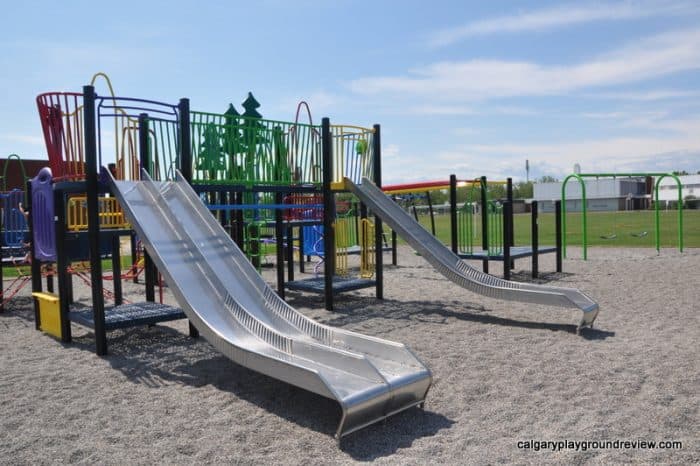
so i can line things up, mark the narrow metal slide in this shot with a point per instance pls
(458, 271)
(238, 313)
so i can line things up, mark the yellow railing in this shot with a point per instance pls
(352, 153)
(110, 213)
(367, 249)
(341, 228)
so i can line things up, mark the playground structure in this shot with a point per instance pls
(193, 165)
(496, 223)
(369, 377)
(256, 173)
(452, 267)
(14, 233)
(580, 178)
(497, 230)
(245, 320)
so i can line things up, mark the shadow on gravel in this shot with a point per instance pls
(350, 312)
(161, 355)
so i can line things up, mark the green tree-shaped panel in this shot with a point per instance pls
(211, 155)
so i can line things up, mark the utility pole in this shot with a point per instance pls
(527, 170)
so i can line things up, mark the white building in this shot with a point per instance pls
(690, 186)
(601, 194)
(617, 193)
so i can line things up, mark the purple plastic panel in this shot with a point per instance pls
(42, 216)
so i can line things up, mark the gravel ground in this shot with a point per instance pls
(504, 373)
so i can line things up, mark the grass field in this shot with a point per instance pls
(13, 272)
(622, 224)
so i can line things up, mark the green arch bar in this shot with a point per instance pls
(658, 176)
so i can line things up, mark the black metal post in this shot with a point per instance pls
(484, 223)
(432, 214)
(301, 249)
(509, 198)
(328, 213)
(232, 217)
(150, 274)
(394, 258)
(378, 229)
(144, 149)
(49, 278)
(509, 218)
(453, 213)
(254, 244)
(70, 288)
(35, 266)
(507, 226)
(91, 174)
(289, 233)
(117, 269)
(557, 226)
(535, 241)
(279, 238)
(185, 139)
(186, 161)
(134, 258)
(2, 289)
(240, 224)
(59, 202)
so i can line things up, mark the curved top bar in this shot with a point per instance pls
(680, 210)
(658, 175)
(583, 210)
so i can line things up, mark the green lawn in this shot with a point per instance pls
(622, 224)
(12, 272)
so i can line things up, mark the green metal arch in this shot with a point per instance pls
(680, 210)
(658, 176)
(4, 171)
(583, 210)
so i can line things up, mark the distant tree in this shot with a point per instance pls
(547, 179)
(523, 190)
(440, 196)
(680, 173)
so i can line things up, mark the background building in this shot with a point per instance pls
(605, 194)
(609, 194)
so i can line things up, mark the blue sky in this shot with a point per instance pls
(466, 87)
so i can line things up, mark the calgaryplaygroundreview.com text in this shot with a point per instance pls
(585, 445)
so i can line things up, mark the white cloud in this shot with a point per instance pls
(647, 96)
(441, 110)
(27, 139)
(561, 16)
(390, 151)
(614, 154)
(649, 58)
(320, 102)
(679, 150)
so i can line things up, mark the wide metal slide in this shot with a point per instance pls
(458, 271)
(238, 313)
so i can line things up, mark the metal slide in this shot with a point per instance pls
(238, 313)
(458, 271)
